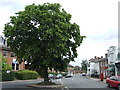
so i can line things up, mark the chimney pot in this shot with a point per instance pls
(95, 57)
(106, 55)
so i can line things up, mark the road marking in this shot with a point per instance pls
(61, 81)
(57, 80)
(67, 88)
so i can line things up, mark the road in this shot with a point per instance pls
(75, 82)
(79, 81)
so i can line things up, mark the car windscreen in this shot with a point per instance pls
(118, 78)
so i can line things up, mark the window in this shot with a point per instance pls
(5, 53)
(118, 55)
(113, 78)
(12, 54)
(118, 78)
(15, 65)
(89, 64)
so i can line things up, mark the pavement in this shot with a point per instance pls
(35, 85)
(97, 79)
(16, 80)
(46, 86)
(77, 81)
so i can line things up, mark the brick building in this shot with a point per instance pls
(10, 56)
(103, 65)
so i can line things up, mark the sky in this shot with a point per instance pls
(98, 21)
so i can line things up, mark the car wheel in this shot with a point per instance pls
(118, 87)
(108, 85)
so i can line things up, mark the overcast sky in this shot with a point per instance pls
(98, 21)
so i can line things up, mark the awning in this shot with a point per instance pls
(117, 65)
(111, 65)
(111, 69)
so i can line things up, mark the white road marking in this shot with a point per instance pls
(61, 81)
(67, 88)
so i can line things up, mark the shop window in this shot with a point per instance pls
(118, 55)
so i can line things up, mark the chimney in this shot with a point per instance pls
(106, 55)
(95, 57)
(101, 56)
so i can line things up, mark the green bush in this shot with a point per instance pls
(7, 76)
(55, 73)
(26, 74)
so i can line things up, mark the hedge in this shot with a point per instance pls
(7, 76)
(26, 74)
(64, 74)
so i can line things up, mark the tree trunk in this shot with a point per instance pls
(46, 79)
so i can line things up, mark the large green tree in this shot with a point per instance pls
(43, 36)
(84, 65)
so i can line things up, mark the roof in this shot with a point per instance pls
(70, 65)
(97, 59)
(4, 47)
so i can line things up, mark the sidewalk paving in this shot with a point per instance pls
(47, 86)
(16, 80)
(97, 79)
(57, 85)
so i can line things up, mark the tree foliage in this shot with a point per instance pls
(84, 65)
(43, 36)
(3, 64)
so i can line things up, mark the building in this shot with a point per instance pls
(10, 55)
(103, 65)
(70, 69)
(117, 64)
(98, 65)
(112, 53)
(114, 61)
(93, 66)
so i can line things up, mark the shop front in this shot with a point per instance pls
(117, 64)
(111, 70)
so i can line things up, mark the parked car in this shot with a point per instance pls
(51, 76)
(59, 76)
(113, 81)
(69, 75)
(83, 74)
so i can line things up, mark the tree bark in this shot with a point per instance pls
(46, 79)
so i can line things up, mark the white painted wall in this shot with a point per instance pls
(93, 66)
(112, 54)
(96, 67)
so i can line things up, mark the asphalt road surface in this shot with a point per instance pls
(76, 82)
(82, 82)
